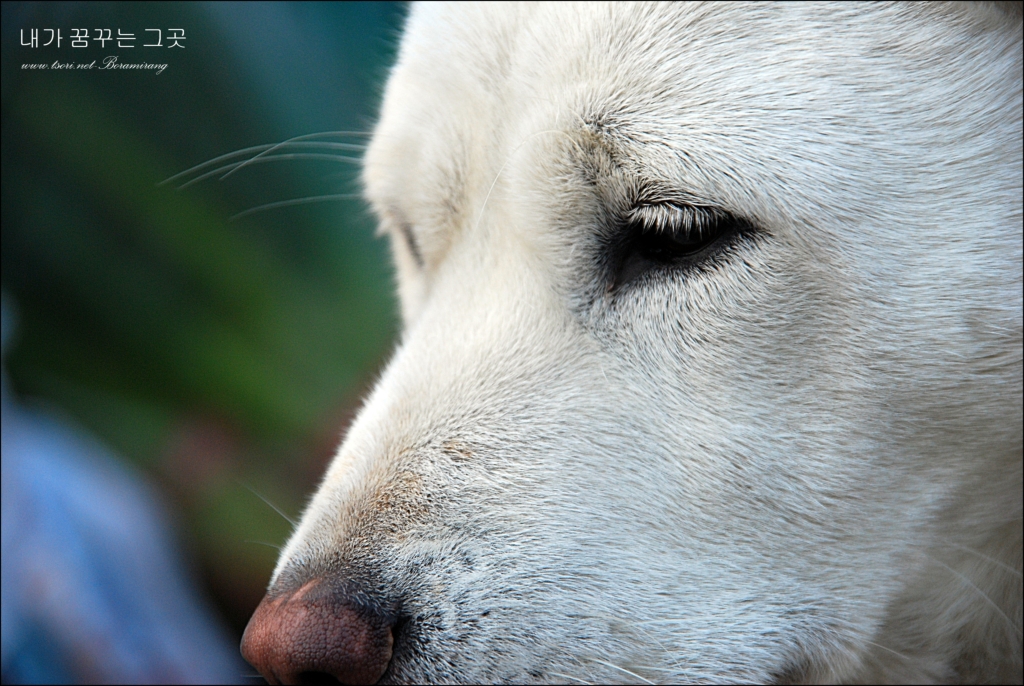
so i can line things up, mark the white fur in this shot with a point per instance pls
(803, 464)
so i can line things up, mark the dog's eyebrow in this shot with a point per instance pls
(655, 180)
(648, 190)
(626, 150)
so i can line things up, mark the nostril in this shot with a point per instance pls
(398, 626)
(318, 635)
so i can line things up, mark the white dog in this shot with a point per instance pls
(712, 358)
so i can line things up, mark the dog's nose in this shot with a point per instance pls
(316, 634)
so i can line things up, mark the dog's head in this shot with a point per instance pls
(711, 366)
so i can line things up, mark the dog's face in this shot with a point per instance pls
(712, 350)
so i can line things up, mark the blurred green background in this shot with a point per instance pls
(223, 358)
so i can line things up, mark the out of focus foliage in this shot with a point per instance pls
(223, 357)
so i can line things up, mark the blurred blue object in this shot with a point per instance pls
(93, 590)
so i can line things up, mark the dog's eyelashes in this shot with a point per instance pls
(664, 233)
(653, 236)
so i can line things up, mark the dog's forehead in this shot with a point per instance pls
(484, 79)
(789, 114)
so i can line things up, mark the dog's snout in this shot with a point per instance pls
(317, 634)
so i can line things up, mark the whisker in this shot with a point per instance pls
(985, 557)
(889, 650)
(272, 158)
(272, 506)
(296, 201)
(487, 197)
(980, 592)
(305, 137)
(622, 669)
(267, 147)
(269, 545)
(570, 676)
(669, 670)
(215, 160)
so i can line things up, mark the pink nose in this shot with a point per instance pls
(303, 636)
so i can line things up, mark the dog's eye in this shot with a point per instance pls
(667, 235)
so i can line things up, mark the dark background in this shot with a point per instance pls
(219, 358)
